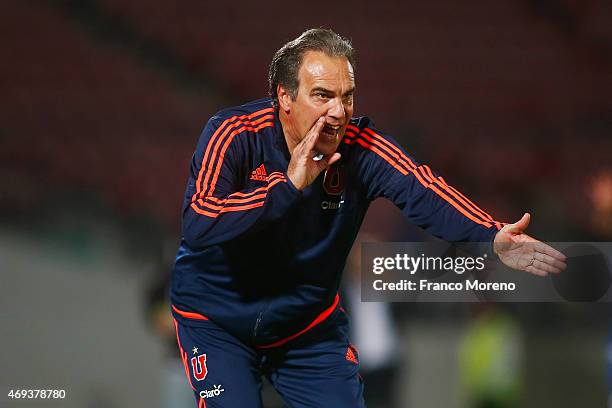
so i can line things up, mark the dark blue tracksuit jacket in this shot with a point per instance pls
(263, 260)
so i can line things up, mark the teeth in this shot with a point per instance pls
(331, 129)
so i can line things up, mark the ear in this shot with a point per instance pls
(284, 99)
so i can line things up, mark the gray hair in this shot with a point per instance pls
(288, 59)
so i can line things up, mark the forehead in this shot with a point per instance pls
(319, 69)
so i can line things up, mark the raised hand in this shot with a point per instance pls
(302, 169)
(520, 251)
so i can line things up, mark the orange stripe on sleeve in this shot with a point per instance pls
(370, 146)
(418, 172)
(224, 202)
(428, 174)
(460, 209)
(228, 141)
(200, 211)
(216, 133)
(397, 150)
(373, 147)
(240, 197)
(215, 212)
(354, 128)
(201, 196)
(242, 207)
(239, 126)
(391, 150)
(217, 203)
(457, 194)
(468, 200)
(466, 203)
(212, 210)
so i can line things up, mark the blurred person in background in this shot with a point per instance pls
(601, 200)
(277, 191)
(601, 227)
(173, 392)
(491, 359)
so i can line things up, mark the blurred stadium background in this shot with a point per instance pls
(102, 102)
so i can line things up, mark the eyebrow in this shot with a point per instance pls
(328, 91)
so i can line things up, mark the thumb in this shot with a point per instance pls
(335, 157)
(328, 161)
(521, 225)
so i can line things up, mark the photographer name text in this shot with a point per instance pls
(414, 264)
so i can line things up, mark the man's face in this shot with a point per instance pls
(326, 89)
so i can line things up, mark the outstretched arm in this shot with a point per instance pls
(428, 201)
(523, 252)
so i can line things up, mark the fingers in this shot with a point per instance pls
(543, 266)
(527, 253)
(332, 159)
(549, 260)
(313, 134)
(544, 260)
(532, 269)
(536, 267)
(550, 251)
(303, 168)
(328, 161)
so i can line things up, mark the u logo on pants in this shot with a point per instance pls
(317, 370)
(198, 365)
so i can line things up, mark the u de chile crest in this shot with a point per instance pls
(334, 182)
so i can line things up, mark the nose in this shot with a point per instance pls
(336, 110)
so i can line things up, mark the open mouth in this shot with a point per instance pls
(330, 132)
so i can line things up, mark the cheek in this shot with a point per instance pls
(309, 117)
(349, 112)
